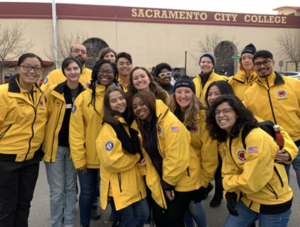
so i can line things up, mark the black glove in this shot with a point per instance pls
(231, 203)
(200, 194)
(220, 184)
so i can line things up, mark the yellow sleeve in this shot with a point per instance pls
(258, 165)
(46, 84)
(77, 133)
(111, 154)
(289, 145)
(177, 152)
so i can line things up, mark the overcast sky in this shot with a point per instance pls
(236, 6)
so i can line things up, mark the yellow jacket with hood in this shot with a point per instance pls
(252, 172)
(201, 91)
(178, 170)
(23, 119)
(240, 82)
(120, 174)
(57, 77)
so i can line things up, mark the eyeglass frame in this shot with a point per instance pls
(222, 111)
(265, 63)
(77, 51)
(106, 72)
(165, 74)
(31, 68)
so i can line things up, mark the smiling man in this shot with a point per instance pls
(124, 66)
(56, 76)
(276, 98)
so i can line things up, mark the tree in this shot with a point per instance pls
(290, 46)
(12, 44)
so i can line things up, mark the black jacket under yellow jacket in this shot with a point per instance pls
(22, 121)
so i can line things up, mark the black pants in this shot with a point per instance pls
(173, 216)
(17, 183)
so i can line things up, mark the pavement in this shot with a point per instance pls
(40, 214)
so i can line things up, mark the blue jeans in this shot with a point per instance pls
(88, 191)
(247, 217)
(135, 215)
(115, 214)
(296, 165)
(61, 176)
(96, 198)
(197, 213)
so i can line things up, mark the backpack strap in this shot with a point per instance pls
(245, 132)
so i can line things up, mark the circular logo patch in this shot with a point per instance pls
(109, 146)
(73, 109)
(45, 80)
(159, 130)
(88, 84)
(41, 104)
(194, 129)
(241, 155)
(281, 93)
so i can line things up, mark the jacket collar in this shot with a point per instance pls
(274, 79)
(161, 110)
(14, 86)
(241, 76)
(61, 87)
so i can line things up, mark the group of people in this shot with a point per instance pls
(149, 149)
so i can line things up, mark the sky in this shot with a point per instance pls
(231, 6)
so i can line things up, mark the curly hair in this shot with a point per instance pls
(224, 88)
(153, 86)
(192, 112)
(245, 116)
(160, 67)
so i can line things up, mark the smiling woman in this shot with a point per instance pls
(163, 73)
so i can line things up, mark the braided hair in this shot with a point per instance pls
(94, 80)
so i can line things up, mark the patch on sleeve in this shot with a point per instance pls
(253, 149)
(194, 129)
(41, 103)
(73, 109)
(174, 129)
(241, 155)
(109, 146)
(159, 130)
(45, 80)
(88, 84)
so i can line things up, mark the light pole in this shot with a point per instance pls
(185, 52)
(54, 33)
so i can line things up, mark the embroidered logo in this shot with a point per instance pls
(194, 129)
(73, 109)
(241, 155)
(88, 84)
(159, 130)
(109, 146)
(45, 80)
(41, 104)
(281, 93)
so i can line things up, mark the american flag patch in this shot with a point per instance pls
(252, 149)
(174, 129)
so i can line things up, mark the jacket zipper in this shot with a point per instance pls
(230, 142)
(5, 131)
(276, 171)
(271, 103)
(120, 181)
(54, 132)
(298, 116)
(32, 133)
(188, 171)
(250, 204)
(273, 191)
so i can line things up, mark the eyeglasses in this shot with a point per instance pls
(77, 51)
(265, 63)
(109, 72)
(28, 68)
(165, 74)
(225, 111)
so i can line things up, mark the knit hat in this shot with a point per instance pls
(8, 75)
(185, 81)
(211, 56)
(74, 59)
(249, 49)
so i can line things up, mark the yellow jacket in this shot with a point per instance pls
(173, 146)
(56, 108)
(119, 170)
(22, 121)
(240, 82)
(276, 99)
(205, 148)
(253, 172)
(201, 91)
(57, 77)
(85, 126)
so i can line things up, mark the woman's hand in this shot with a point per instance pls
(282, 156)
(170, 195)
(82, 169)
(142, 162)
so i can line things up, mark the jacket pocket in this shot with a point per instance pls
(271, 189)
(297, 115)
(277, 173)
(5, 131)
(188, 171)
(120, 181)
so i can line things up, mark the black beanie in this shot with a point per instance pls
(211, 56)
(74, 59)
(185, 81)
(249, 49)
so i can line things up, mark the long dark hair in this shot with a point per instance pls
(108, 112)
(95, 79)
(245, 116)
(223, 86)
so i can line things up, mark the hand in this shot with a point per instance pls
(170, 195)
(220, 183)
(282, 156)
(231, 203)
(142, 162)
(82, 169)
